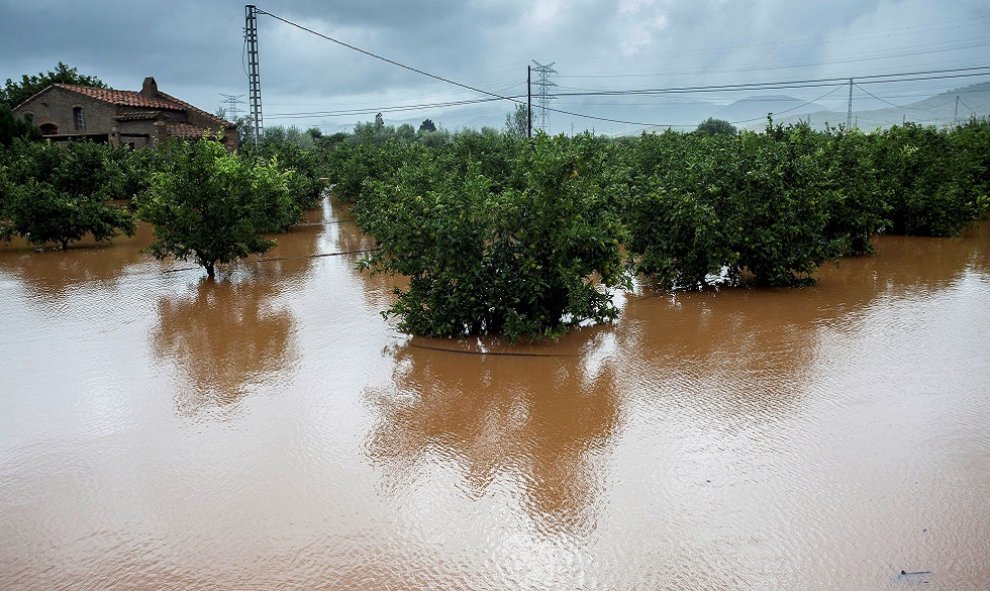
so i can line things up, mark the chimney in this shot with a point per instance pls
(149, 88)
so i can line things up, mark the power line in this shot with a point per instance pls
(385, 59)
(443, 79)
(757, 67)
(792, 108)
(808, 83)
(892, 104)
(370, 110)
(792, 84)
(777, 43)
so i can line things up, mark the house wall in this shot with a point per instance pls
(129, 132)
(199, 120)
(55, 106)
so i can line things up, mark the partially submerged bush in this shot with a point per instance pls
(213, 206)
(61, 193)
(526, 261)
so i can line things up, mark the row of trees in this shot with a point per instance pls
(206, 204)
(500, 235)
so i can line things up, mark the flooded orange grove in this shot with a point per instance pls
(270, 430)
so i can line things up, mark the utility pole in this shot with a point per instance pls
(254, 72)
(955, 115)
(544, 97)
(849, 110)
(529, 102)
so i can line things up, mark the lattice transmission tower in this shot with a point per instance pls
(254, 71)
(232, 108)
(543, 96)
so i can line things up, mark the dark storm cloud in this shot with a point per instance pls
(194, 48)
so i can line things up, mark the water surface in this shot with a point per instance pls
(271, 430)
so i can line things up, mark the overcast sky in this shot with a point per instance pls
(194, 49)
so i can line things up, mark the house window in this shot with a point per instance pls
(79, 116)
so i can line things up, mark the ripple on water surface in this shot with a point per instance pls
(271, 430)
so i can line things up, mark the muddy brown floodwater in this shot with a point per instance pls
(272, 431)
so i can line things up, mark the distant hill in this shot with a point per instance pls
(757, 107)
(974, 100)
(685, 114)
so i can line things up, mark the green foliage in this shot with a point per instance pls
(12, 128)
(60, 193)
(763, 207)
(712, 126)
(860, 205)
(934, 190)
(293, 149)
(677, 237)
(427, 126)
(14, 93)
(778, 209)
(6, 191)
(351, 164)
(970, 143)
(517, 122)
(756, 203)
(520, 261)
(213, 206)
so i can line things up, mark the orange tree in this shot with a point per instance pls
(524, 260)
(213, 206)
(61, 193)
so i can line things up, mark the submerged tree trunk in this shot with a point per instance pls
(210, 269)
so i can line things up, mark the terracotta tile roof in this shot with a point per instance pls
(186, 131)
(136, 115)
(124, 98)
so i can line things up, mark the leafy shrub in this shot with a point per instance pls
(293, 150)
(676, 237)
(520, 262)
(60, 193)
(712, 126)
(213, 206)
(929, 192)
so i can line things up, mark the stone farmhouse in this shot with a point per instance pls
(65, 112)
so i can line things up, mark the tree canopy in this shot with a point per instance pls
(12, 128)
(712, 126)
(213, 206)
(60, 193)
(14, 93)
(517, 122)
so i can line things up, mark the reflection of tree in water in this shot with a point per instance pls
(346, 236)
(540, 424)
(225, 338)
(906, 265)
(748, 351)
(54, 273)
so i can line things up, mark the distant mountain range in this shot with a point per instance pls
(747, 113)
(941, 109)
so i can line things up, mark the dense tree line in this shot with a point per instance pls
(465, 214)
(206, 203)
(500, 234)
